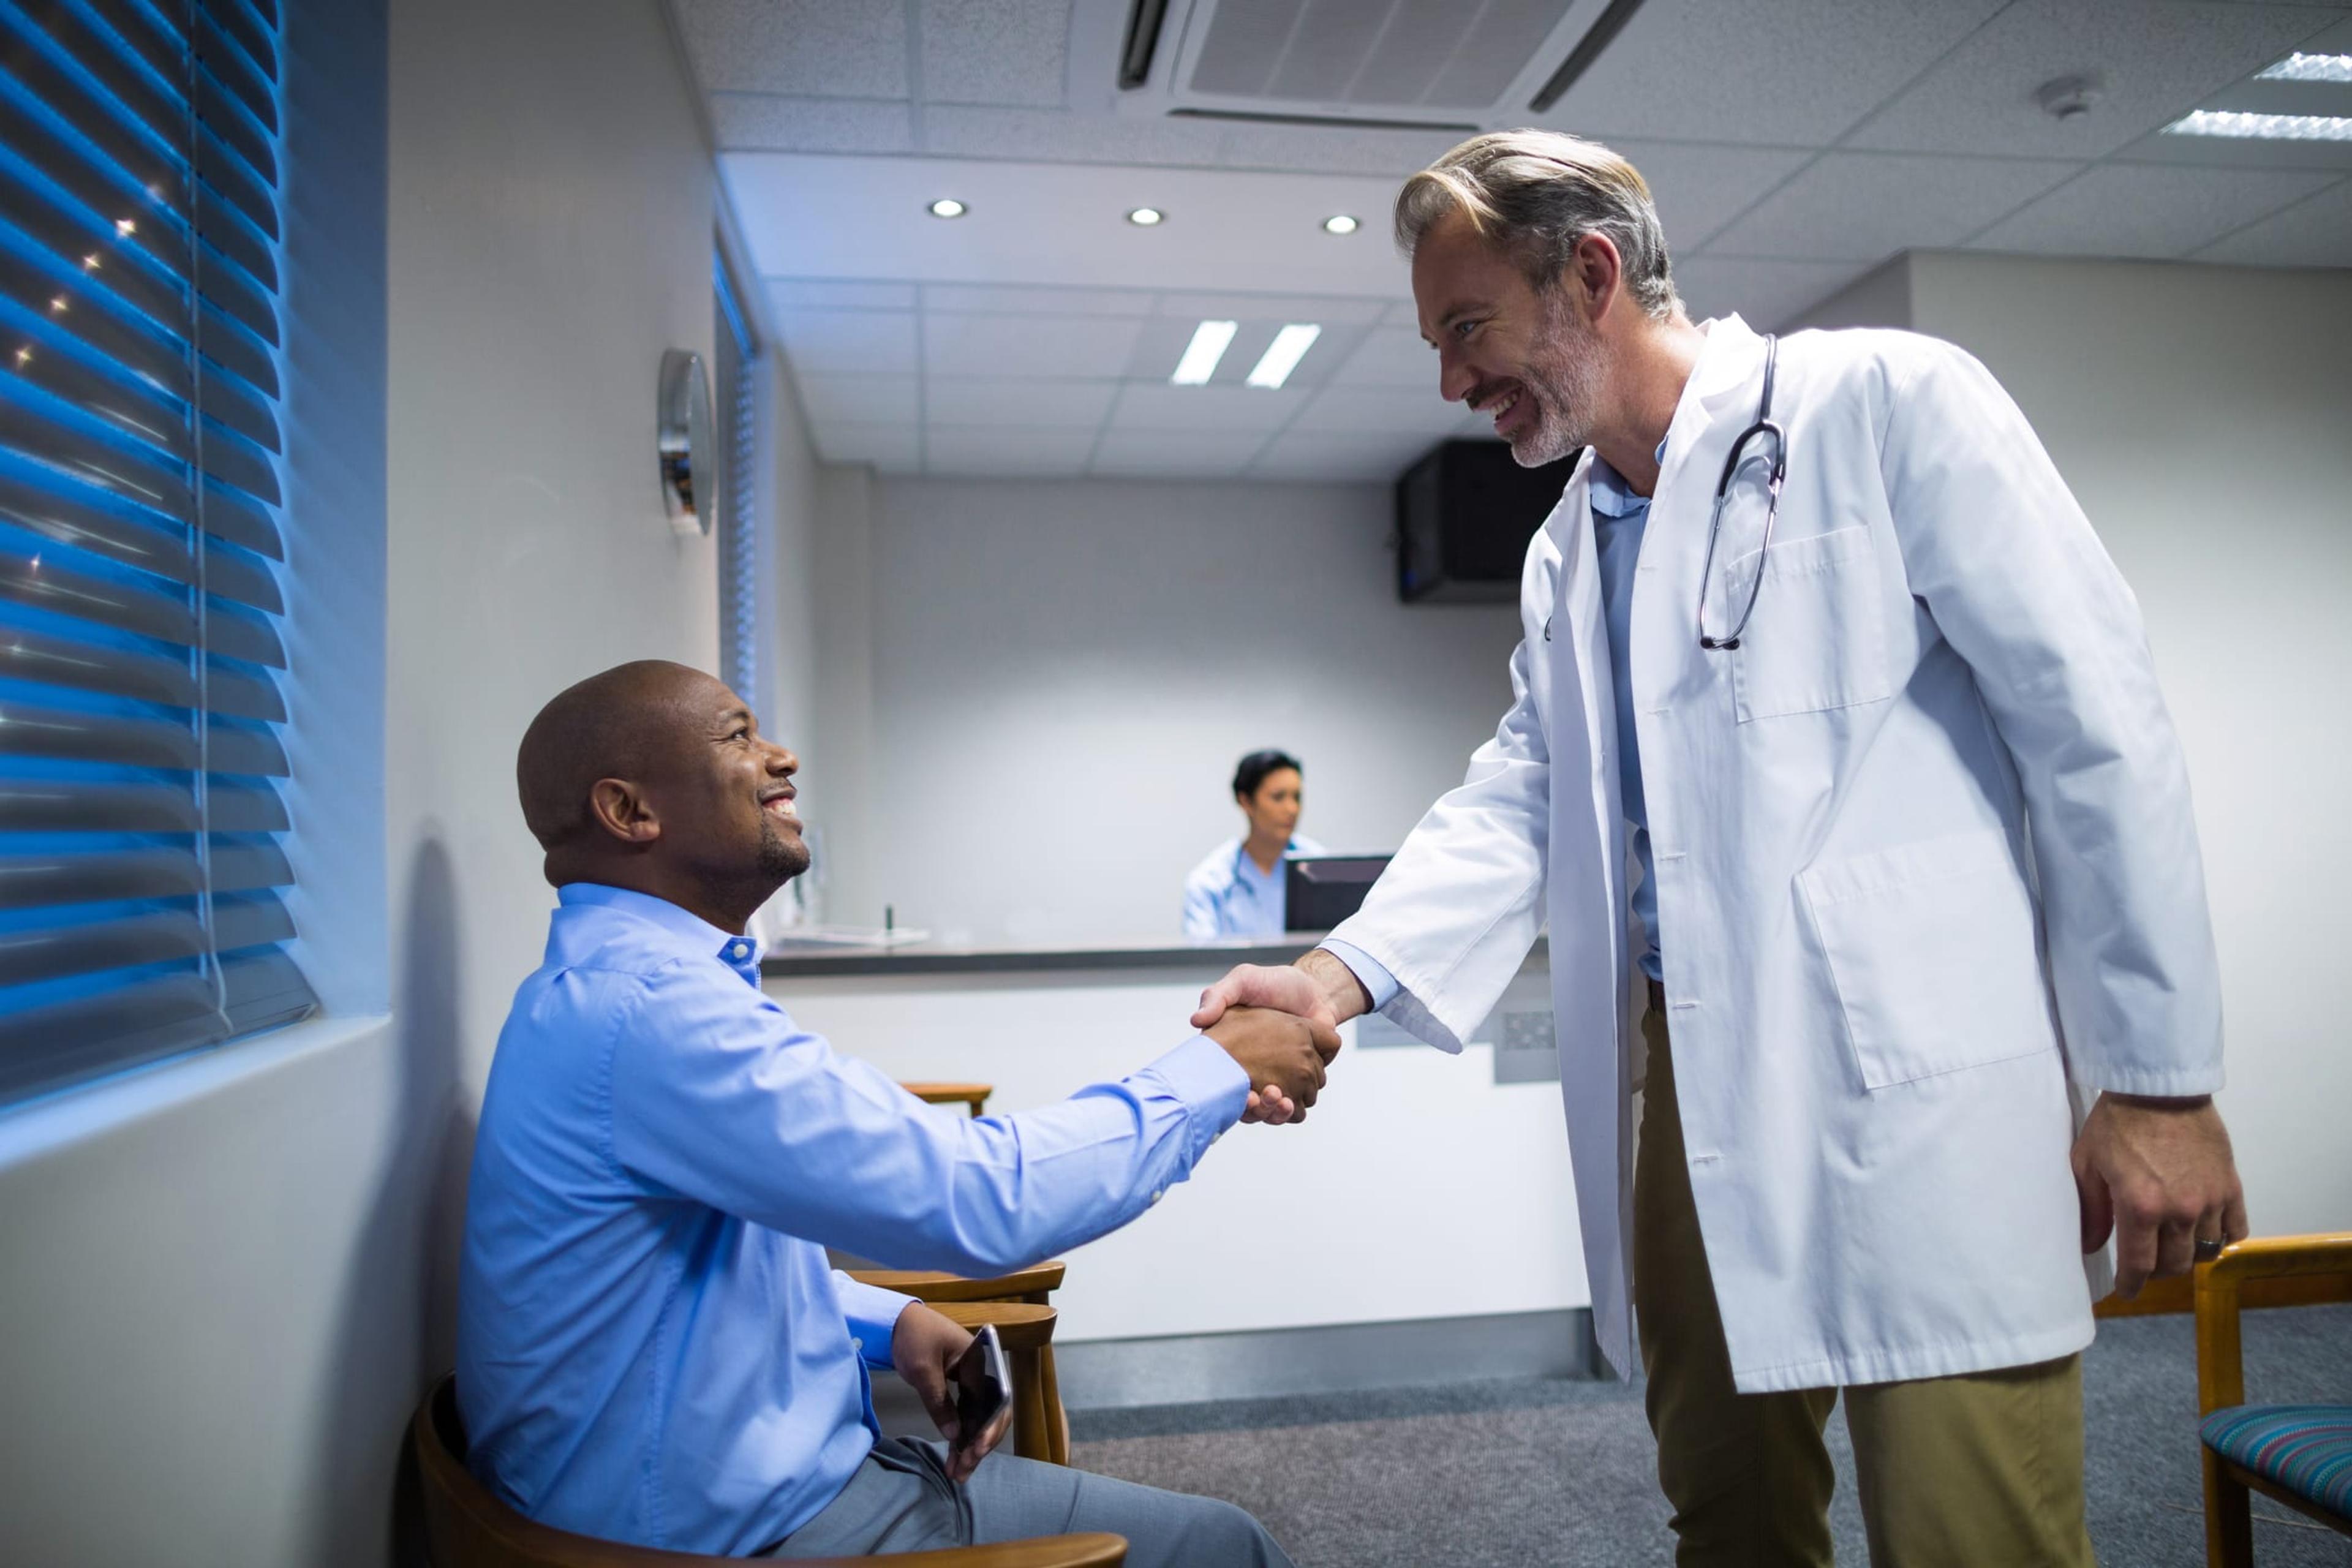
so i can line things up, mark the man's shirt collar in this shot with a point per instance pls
(692, 934)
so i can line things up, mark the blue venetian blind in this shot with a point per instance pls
(738, 530)
(139, 546)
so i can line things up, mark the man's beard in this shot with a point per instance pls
(779, 861)
(1565, 374)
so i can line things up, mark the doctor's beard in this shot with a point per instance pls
(1566, 371)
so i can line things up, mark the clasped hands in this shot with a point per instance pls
(1282, 1025)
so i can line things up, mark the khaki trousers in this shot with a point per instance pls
(1983, 1470)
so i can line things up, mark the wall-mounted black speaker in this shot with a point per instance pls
(1463, 516)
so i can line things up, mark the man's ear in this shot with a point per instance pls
(1597, 273)
(621, 809)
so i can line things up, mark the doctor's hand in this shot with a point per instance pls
(2159, 1174)
(1284, 1057)
(924, 1346)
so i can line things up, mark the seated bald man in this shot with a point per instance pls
(651, 1347)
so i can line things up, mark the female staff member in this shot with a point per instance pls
(1238, 890)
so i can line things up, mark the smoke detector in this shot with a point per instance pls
(2069, 97)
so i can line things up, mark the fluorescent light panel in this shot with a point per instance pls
(1201, 354)
(1283, 354)
(2263, 127)
(2309, 68)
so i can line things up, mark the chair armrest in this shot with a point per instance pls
(1020, 1326)
(2265, 1271)
(1031, 1284)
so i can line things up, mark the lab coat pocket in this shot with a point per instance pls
(1818, 638)
(1932, 952)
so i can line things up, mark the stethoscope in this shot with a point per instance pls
(1778, 471)
(1731, 465)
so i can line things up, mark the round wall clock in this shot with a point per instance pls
(689, 445)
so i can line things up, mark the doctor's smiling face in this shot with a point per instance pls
(1535, 361)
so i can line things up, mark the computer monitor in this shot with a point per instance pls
(1322, 891)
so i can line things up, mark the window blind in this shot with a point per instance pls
(737, 384)
(140, 550)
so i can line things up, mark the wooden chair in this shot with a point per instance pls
(974, 1095)
(1032, 1287)
(2300, 1455)
(468, 1526)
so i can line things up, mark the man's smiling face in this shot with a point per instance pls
(726, 799)
(1520, 357)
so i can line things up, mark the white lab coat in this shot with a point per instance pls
(1924, 852)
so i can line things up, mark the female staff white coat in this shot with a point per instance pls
(1924, 853)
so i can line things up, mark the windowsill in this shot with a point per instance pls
(67, 1116)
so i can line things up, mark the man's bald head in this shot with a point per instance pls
(630, 722)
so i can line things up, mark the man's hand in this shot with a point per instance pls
(924, 1346)
(1318, 988)
(2159, 1174)
(1284, 1056)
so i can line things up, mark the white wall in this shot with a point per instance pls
(225, 1283)
(2201, 415)
(1062, 674)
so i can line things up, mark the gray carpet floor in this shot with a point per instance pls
(1561, 1473)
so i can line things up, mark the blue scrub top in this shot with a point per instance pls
(1227, 895)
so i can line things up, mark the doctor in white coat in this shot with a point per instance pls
(1867, 775)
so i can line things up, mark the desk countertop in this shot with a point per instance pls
(928, 958)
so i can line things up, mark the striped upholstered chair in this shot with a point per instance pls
(2300, 1455)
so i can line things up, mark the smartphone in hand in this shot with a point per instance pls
(984, 1391)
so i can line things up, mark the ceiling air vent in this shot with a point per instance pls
(1453, 65)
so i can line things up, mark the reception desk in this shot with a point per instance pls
(1424, 1188)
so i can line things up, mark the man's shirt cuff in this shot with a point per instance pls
(1369, 971)
(1203, 1075)
(873, 1316)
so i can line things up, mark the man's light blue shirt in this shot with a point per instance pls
(1618, 518)
(1228, 895)
(651, 1346)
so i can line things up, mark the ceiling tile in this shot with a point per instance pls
(1077, 346)
(1175, 454)
(828, 49)
(1006, 451)
(1149, 405)
(994, 51)
(1009, 401)
(2154, 58)
(893, 448)
(1712, 70)
(1342, 408)
(2316, 232)
(1327, 149)
(860, 399)
(1373, 458)
(830, 294)
(1325, 310)
(1698, 189)
(1389, 356)
(2146, 210)
(870, 343)
(1865, 206)
(1054, 137)
(1766, 294)
(759, 120)
(1011, 300)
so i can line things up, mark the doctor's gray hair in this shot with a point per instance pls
(1536, 193)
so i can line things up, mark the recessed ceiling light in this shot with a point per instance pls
(2309, 68)
(1144, 218)
(947, 206)
(2264, 127)
(1282, 355)
(1340, 223)
(1201, 354)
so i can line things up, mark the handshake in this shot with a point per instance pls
(1282, 1026)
